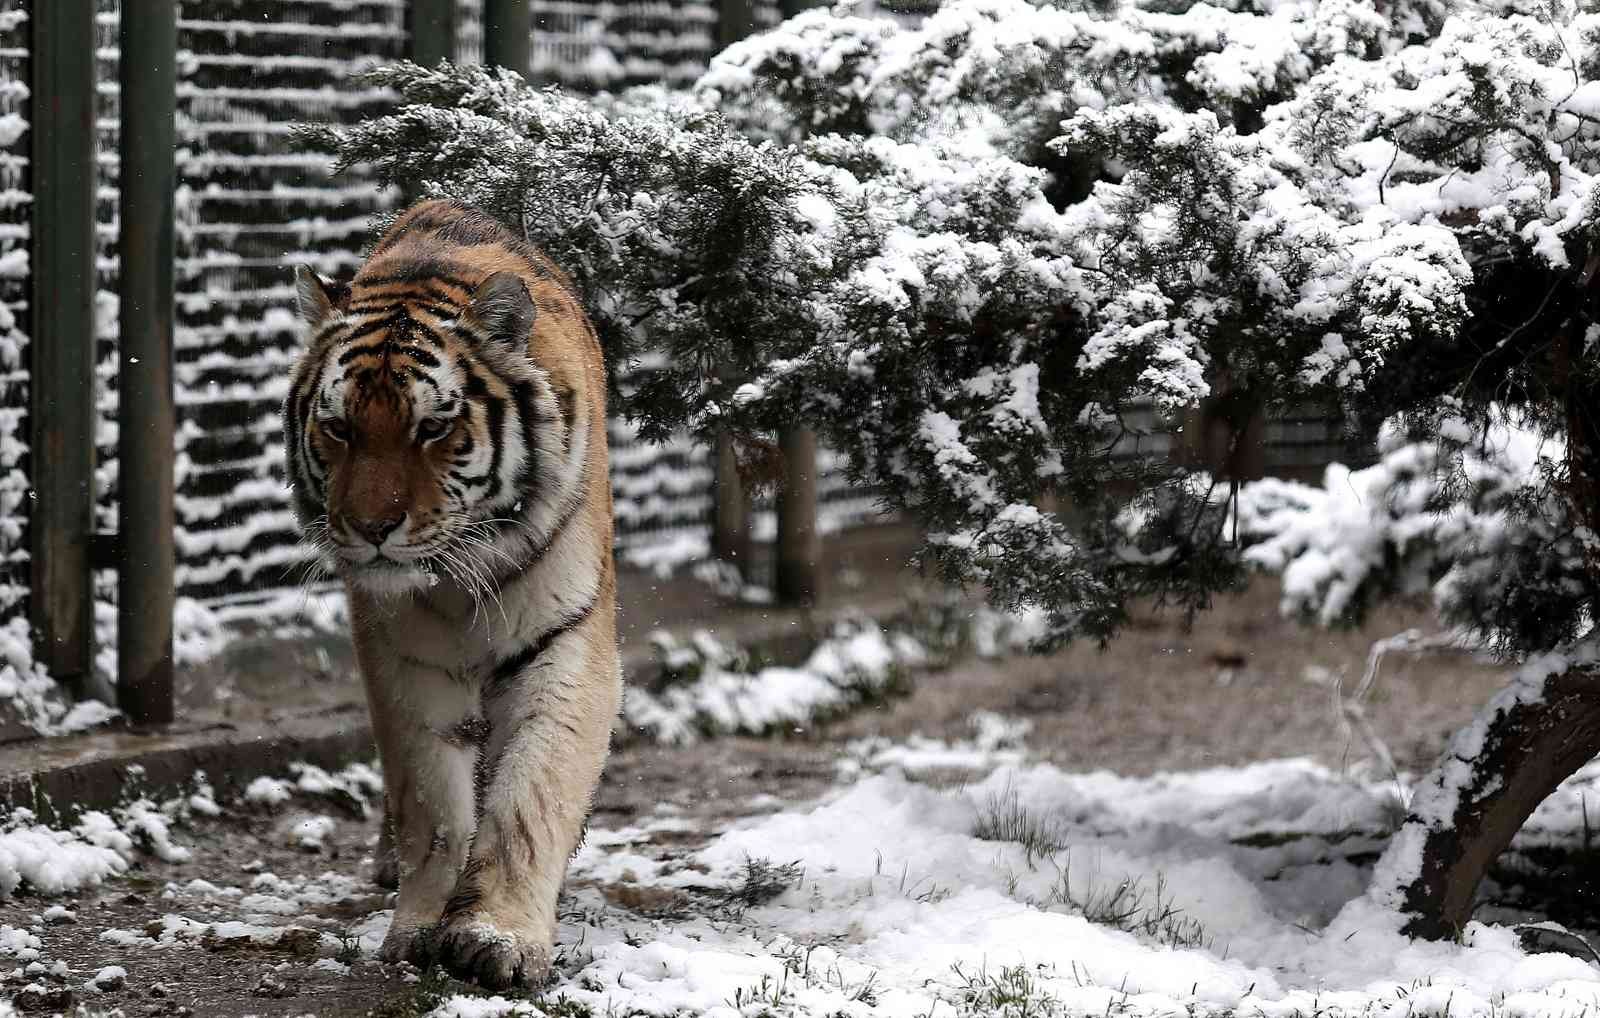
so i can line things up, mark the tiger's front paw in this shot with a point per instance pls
(477, 950)
(404, 943)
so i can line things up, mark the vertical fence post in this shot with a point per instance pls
(145, 414)
(730, 509)
(735, 20)
(433, 31)
(731, 538)
(508, 35)
(61, 363)
(799, 545)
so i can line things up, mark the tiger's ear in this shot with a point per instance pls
(317, 297)
(502, 309)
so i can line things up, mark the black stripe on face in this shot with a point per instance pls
(527, 396)
(495, 411)
(361, 351)
(418, 354)
(307, 452)
(366, 329)
(412, 292)
(443, 312)
(413, 274)
(517, 665)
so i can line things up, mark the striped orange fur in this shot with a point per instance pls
(446, 436)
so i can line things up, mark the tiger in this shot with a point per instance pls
(445, 429)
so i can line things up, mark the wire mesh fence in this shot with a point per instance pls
(249, 206)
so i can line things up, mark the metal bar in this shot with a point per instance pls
(731, 537)
(145, 414)
(735, 20)
(433, 31)
(731, 540)
(61, 362)
(799, 546)
(508, 35)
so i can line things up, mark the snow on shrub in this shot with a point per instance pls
(711, 689)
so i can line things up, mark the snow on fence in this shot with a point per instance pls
(248, 207)
(13, 307)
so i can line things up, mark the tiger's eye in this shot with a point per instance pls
(433, 428)
(336, 429)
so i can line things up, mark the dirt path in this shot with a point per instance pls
(1246, 687)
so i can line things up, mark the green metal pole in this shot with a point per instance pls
(61, 363)
(508, 35)
(735, 20)
(145, 414)
(433, 31)
(798, 548)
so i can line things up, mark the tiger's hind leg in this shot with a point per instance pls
(552, 729)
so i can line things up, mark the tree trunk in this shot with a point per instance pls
(731, 540)
(1532, 736)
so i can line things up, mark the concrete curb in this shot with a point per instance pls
(58, 778)
(98, 770)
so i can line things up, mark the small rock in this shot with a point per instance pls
(312, 834)
(158, 989)
(36, 998)
(112, 977)
(271, 986)
(57, 915)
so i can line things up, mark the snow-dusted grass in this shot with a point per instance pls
(1022, 891)
(1228, 891)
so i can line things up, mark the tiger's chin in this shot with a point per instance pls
(389, 579)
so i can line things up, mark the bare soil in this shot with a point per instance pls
(1242, 686)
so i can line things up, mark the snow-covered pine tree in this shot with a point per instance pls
(970, 253)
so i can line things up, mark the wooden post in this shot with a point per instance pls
(508, 35)
(735, 20)
(799, 545)
(433, 31)
(145, 413)
(731, 539)
(61, 362)
(730, 524)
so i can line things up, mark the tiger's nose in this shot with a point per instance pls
(375, 530)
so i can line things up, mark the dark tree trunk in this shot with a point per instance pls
(1535, 733)
(1531, 737)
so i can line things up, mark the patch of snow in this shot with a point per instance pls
(722, 698)
(268, 792)
(311, 834)
(111, 977)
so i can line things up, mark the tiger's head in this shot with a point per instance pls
(416, 424)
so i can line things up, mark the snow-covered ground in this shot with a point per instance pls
(936, 878)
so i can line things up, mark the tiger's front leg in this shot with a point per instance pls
(551, 729)
(424, 717)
